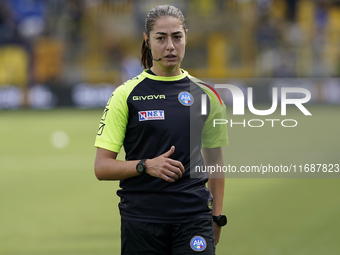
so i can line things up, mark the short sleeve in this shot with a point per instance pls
(215, 136)
(112, 127)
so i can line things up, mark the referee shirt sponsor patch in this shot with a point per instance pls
(151, 115)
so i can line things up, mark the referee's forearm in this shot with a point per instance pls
(216, 187)
(213, 157)
(107, 167)
(112, 169)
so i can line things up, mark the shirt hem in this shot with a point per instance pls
(107, 145)
(215, 145)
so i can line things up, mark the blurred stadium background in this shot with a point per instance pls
(61, 59)
(62, 53)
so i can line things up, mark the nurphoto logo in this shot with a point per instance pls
(239, 102)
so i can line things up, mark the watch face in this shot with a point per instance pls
(140, 168)
(223, 220)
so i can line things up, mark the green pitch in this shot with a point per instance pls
(51, 202)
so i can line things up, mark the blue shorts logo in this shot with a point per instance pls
(185, 98)
(198, 243)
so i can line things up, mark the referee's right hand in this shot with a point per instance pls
(164, 167)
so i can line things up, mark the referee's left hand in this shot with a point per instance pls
(164, 167)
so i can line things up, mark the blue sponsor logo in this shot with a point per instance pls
(185, 98)
(198, 243)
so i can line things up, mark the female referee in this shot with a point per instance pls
(157, 117)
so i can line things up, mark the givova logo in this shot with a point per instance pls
(198, 243)
(151, 115)
(148, 97)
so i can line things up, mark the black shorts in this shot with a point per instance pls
(144, 238)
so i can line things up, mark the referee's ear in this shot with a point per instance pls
(146, 39)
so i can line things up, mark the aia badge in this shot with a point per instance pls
(151, 115)
(198, 243)
(185, 98)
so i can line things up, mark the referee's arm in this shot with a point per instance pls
(107, 167)
(213, 157)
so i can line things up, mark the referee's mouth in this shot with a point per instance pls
(170, 57)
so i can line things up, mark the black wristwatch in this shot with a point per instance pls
(221, 220)
(141, 167)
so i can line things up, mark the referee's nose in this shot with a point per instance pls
(170, 44)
